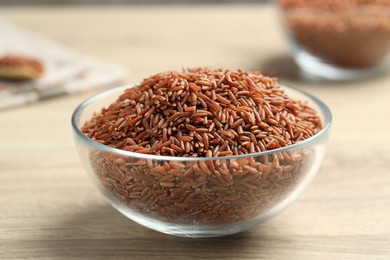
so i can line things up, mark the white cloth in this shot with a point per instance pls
(66, 71)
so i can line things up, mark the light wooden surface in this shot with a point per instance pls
(50, 210)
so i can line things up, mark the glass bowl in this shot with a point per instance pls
(338, 39)
(199, 197)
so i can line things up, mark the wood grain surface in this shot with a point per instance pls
(50, 210)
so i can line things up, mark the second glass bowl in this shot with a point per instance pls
(338, 39)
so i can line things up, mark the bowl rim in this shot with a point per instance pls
(324, 109)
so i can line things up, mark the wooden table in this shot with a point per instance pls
(50, 210)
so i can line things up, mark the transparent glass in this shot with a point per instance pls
(199, 197)
(338, 40)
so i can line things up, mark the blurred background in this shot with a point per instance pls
(67, 2)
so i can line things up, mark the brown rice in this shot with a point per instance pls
(202, 113)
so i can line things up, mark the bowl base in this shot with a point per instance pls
(196, 231)
(315, 67)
